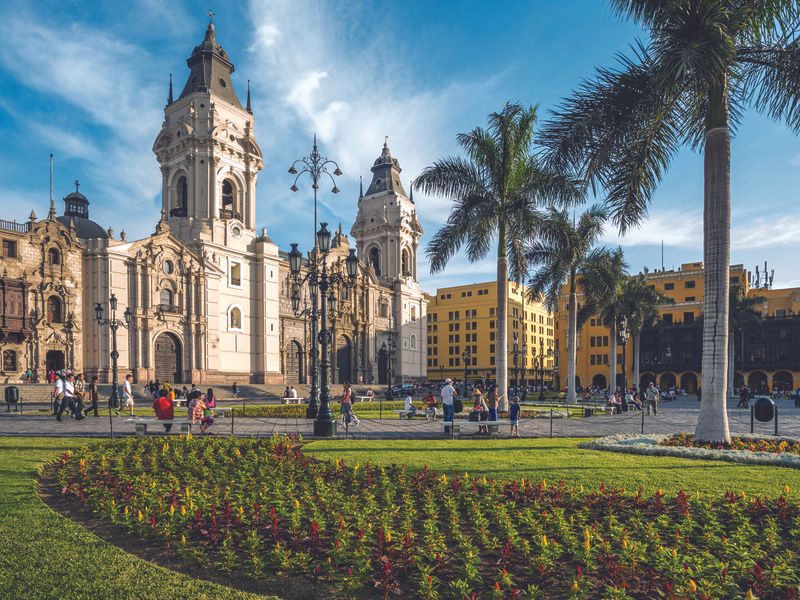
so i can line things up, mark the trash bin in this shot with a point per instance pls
(587, 411)
(764, 409)
(12, 397)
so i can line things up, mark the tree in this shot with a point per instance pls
(705, 62)
(603, 283)
(745, 319)
(495, 193)
(560, 252)
(640, 307)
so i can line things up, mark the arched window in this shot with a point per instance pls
(230, 206)
(9, 360)
(375, 259)
(53, 256)
(54, 310)
(383, 309)
(406, 263)
(235, 318)
(413, 342)
(166, 297)
(183, 193)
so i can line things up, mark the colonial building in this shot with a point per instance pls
(208, 294)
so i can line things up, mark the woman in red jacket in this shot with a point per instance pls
(164, 409)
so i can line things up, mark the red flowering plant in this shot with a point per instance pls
(753, 444)
(256, 508)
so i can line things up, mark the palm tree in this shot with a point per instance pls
(640, 301)
(705, 61)
(561, 251)
(743, 318)
(603, 283)
(495, 192)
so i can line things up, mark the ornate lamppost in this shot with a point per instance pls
(389, 351)
(515, 352)
(623, 333)
(466, 356)
(317, 167)
(324, 423)
(542, 356)
(113, 323)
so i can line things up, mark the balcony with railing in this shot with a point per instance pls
(170, 309)
(14, 226)
(179, 211)
(229, 213)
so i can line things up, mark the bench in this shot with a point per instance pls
(408, 414)
(141, 424)
(290, 400)
(364, 398)
(460, 424)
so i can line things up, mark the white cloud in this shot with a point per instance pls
(677, 228)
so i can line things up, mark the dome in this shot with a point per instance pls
(84, 228)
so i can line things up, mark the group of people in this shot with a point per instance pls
(200, 407)
(71, 392)
(620, 401)
(483, 409)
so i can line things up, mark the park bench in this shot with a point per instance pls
(408, 414)
(477, 424)
(290, 400)
(364, 398)
(142, 423)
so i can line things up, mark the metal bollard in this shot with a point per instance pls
(642, 420)
(776, 420)
(551, 423)
(232, 417)
(752, 419)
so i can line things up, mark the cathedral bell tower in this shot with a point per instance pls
(208, 153)
(387, 229)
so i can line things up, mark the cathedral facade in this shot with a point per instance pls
(209, 295)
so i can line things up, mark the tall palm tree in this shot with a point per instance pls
(705, 61)
(560, 252)
(640, 307)
(495, 192)
(603, 283)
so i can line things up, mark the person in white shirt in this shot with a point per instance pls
(58, 392)
(448, 392)
(68, 400)
(411, 410)
(292, 392)
(127, 394)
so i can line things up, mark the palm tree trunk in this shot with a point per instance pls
(572, 335)
(501, 356)
(612, 357)
(712, 424)
(636, 374)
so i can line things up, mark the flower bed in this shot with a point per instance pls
(263, 509)
(749, 449)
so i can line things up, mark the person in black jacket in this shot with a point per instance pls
(91, 397)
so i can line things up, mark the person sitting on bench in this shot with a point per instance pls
(411, 410)
(164, 409)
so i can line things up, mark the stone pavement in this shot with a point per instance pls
(678, 416)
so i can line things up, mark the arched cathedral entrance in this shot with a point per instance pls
(168, 355)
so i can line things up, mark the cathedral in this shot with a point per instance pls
(208, 295)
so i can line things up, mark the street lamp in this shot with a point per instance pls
(317, 167)
(389, 351)
(466, 356)
(324, 423)
(542, 356)
(515, 352)
(113, 323)
(623, 333)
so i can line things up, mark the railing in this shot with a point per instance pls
(14, 226)
(228, 213)
(170, 308)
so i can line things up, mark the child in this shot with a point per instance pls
(513, 416)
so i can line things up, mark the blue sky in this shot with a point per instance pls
(88, 82)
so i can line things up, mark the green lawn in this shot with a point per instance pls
(44, 555)
(561, 460)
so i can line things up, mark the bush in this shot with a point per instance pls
(299, 410)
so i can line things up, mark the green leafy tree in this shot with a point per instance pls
(640, 302)
(705, 61)
(559, 254)
(603, 284)
(495, 192)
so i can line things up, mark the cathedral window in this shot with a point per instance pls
(383, 309)
(413, 313)
(9, 360)
(183, 193)
(375, 259)
(413, 342)
(405, 263)
(54, 310)
(166, 298)
(9, 249)
(53, 256)
(235, 275)
(235, 318)
(230, 208)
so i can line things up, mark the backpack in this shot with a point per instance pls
(458, 405)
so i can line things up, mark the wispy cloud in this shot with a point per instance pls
(106, 80)
(677, 228)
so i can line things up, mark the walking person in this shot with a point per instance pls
(57, 394)
(68, 400)
(493, 403)
(210, 402)
(127, 394)
(51, 376)
(80, 392)
(91, 395)
(346, 406)
(197, 409)
(448, 392)
(513, 416)
(235, 390)
(744, 396)
(651, 395)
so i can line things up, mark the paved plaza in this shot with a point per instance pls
(677, 416)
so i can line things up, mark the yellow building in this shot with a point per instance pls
(464, 318)
(671, 352)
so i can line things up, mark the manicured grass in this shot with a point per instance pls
(45, 555)
(562, 460)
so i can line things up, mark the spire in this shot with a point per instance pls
(386, 173)
(411, 187)
(360, 187)
(169, 98)
(52, 215)
(211, 68)
(32, 218)
(250, 110)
